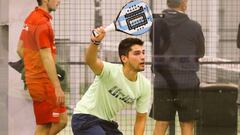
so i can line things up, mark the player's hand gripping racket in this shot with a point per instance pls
(135, 18)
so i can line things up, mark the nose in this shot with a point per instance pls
(143, 56)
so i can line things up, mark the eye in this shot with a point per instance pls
(137, 53)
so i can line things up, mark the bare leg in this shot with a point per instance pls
(57, 127)
(42, 129)
(187, 128)
(161, 127)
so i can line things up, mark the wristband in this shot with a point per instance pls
(95, 42)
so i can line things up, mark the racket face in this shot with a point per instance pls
(135, 18)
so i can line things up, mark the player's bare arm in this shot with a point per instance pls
(140, 123)
(20, 48)
(91, 58)
(49, 65)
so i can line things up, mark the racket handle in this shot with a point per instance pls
(110, 27)
(95, 33)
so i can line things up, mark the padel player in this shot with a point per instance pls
(36, 47)
(116, 86)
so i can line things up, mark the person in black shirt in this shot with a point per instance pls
(178, 43)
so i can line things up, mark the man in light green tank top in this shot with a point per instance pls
(116, 86)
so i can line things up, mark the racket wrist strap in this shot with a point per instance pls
(95, 42)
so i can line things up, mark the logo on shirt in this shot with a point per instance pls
(117, 93)
(54, 114)
(25, 27)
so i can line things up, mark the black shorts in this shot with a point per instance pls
(85, 124)
(184, 99)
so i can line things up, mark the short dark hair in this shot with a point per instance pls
(125, 46)
(173, 3)
(39, 2)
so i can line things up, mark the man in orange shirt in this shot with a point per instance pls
(36, 47)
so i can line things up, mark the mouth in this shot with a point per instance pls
(142, 64)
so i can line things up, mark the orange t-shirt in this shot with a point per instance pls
(37, 34)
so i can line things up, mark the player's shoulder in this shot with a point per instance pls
(194, 23)
(145, 84)
(35, 18)
(112, 67)
(109, 64)
(143, 79)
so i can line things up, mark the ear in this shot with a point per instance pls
(124, 59)
(45, 1)
(183, 6)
